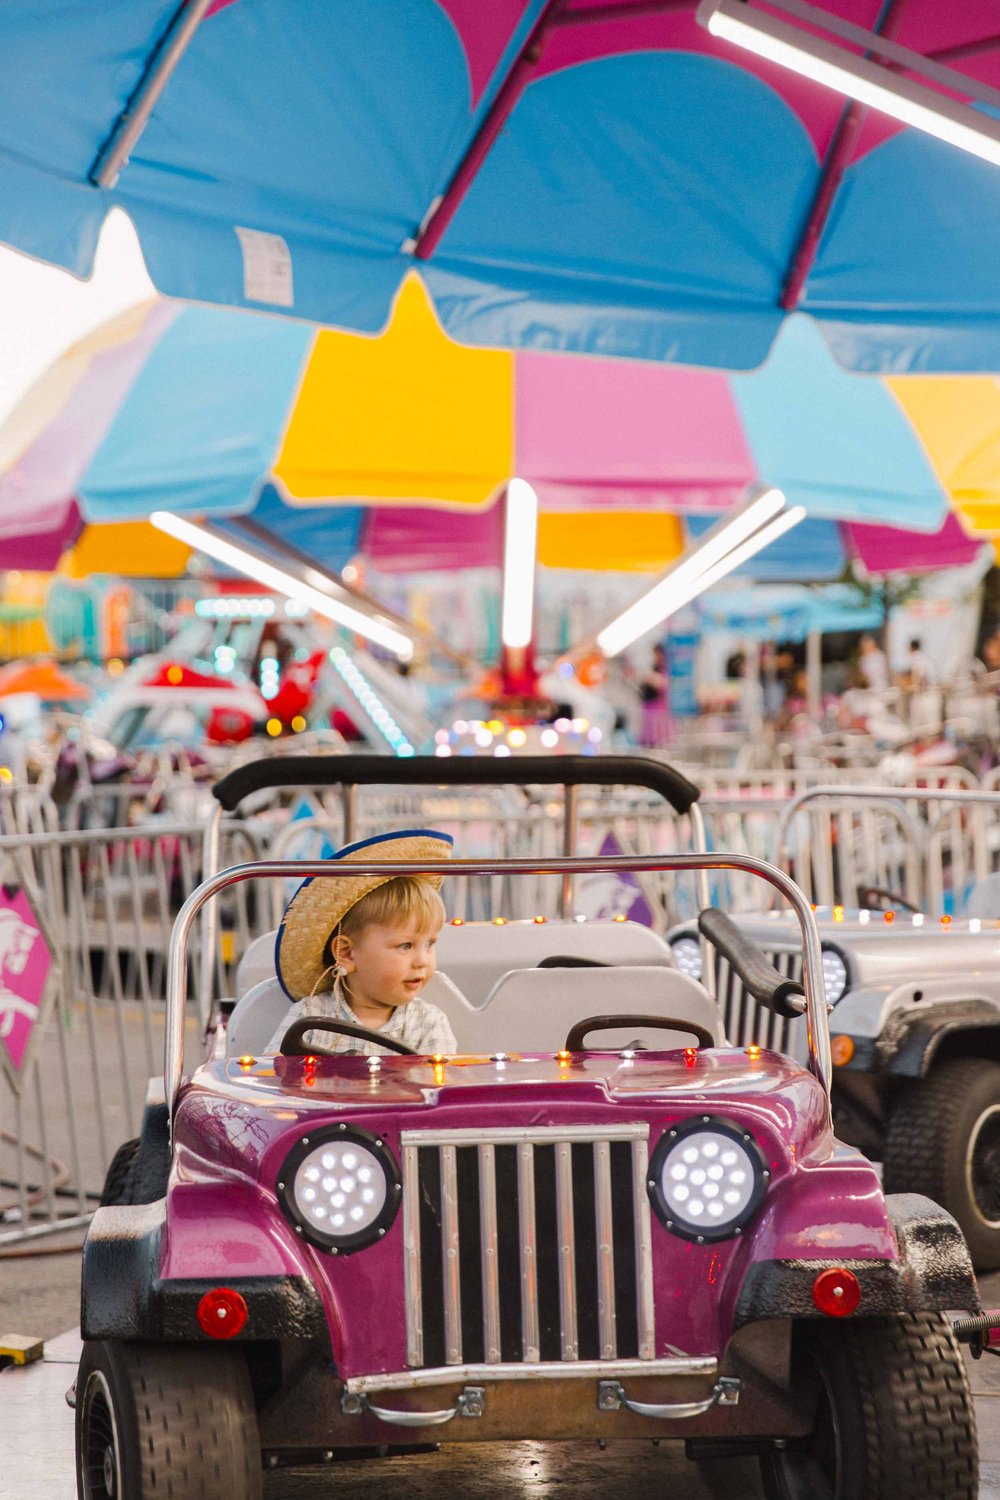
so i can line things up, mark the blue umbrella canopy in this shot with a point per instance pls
(605, 178)
(790, 613)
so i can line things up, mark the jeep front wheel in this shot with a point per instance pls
(171, 1422)
(944, 1140)
(894, 1416)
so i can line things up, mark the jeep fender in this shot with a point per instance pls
(123, 1296)
(932, 1274)
(911, 1042)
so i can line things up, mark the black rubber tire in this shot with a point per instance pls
(118, 1182)
(894, 1420)
(165, 1422)
(932, 1125)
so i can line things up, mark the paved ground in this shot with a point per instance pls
(36, 1441)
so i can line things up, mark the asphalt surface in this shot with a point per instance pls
(40, 1296)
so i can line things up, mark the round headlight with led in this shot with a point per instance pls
(836, 975)
(340, 1187)
(707, 1178)
(687, 954)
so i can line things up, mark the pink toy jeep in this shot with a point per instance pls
(317, 1254)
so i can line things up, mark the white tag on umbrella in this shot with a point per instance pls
(267, 267)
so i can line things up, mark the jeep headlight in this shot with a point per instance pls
(707, 1178)
(687, 954)
(340, 1187)
(835, 974)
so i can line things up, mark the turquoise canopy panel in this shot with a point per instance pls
(807, 422)
(198, 428)
(770, 612)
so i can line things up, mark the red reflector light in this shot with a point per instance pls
(836, 1292)
(222, 1313)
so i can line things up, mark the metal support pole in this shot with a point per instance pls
(570, 809)
(132, 121)
(699, 839)
(210, 920)
(814, 666)
(349, 803)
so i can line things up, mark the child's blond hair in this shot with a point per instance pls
(406, 898)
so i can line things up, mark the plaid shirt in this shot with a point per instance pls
(417, 1024)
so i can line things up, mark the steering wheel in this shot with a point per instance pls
(292, 1044)
(869, 894)
(574, 1042)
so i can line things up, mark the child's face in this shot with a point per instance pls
(389, 965)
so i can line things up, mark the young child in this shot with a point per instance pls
(360, 948)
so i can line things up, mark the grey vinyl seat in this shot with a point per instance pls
(533, 1010)
(256, 1017)
(983, 900)
(476, 954)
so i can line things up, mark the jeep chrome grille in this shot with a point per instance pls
(743, 1019)
(524, 1245)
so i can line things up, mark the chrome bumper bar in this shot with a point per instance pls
(611, 1397)
(554, 1369)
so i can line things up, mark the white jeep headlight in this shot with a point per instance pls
(836, 976)
(340, 1187)
(707, 1178)
(687, 954)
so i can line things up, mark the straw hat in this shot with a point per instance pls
(321, 903)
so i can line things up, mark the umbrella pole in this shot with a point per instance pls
(328, 583)
(814, 663)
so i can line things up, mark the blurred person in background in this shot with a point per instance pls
(918, 673)
(654, 693)
(872, 665)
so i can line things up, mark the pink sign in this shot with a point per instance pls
(25, 962)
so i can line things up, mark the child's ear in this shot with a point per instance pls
(343, 952)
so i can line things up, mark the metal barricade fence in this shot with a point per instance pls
(77, 1053)
(931, 847)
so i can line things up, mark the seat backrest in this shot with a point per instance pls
(256, 964)
(533, 1010)
(984, 899)
(256, 1017)
(476, 954)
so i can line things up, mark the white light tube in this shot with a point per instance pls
(283, 583)
(688, 580)
(859, 78)
(729, 532)
(520, 545)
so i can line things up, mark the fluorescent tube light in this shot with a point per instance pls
(722, 550)
(729, 532)
(761, 539)
(520, 545)
(284, 583)
(861, 78)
